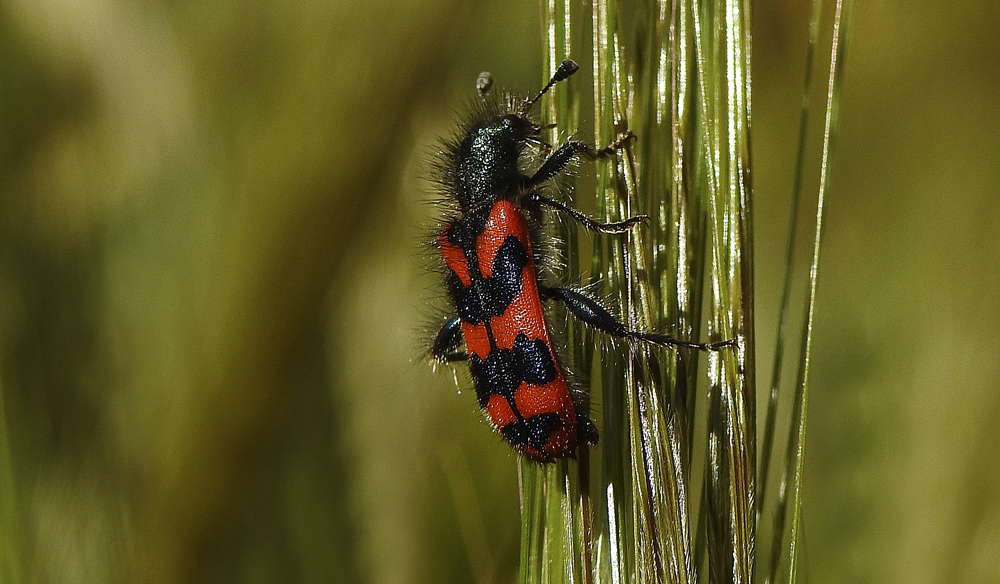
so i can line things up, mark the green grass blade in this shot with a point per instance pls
(841, 26)
(785, 306)
(795, 454)
(723, 50)
(785, 311)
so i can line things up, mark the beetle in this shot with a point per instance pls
(491, 246)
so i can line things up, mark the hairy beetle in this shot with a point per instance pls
(490, 249)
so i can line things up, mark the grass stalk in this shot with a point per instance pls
(796, 445)
(677, 75)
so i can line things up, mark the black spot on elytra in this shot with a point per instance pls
(503, 370)
(495, 375)
(489, 297)
(534, 360)
(533, 432)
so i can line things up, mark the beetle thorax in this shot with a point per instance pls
(488, 161)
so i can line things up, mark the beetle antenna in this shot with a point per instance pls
(483, 83)
(566, 68)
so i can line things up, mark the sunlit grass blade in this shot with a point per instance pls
(785, 306)
(793, 244)
(654, 541)
(795, 455)
(722, 55)
(841, 26)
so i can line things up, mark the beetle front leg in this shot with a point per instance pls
(588, 222)
(561, 157)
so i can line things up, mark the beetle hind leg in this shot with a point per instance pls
(593, 314)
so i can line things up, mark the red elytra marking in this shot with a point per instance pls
(539, 399)
(504, 220)
(454, 258)
(552, 397)
(476, 340)
(524, 314)
(500, 412)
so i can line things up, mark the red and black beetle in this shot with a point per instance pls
(490, 248)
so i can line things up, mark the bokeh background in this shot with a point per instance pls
(213, 295)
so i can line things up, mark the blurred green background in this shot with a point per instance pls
(213, 295)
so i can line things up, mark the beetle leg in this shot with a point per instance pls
(592, 313)
(561, 157)
(588, 222)
(444, 349)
